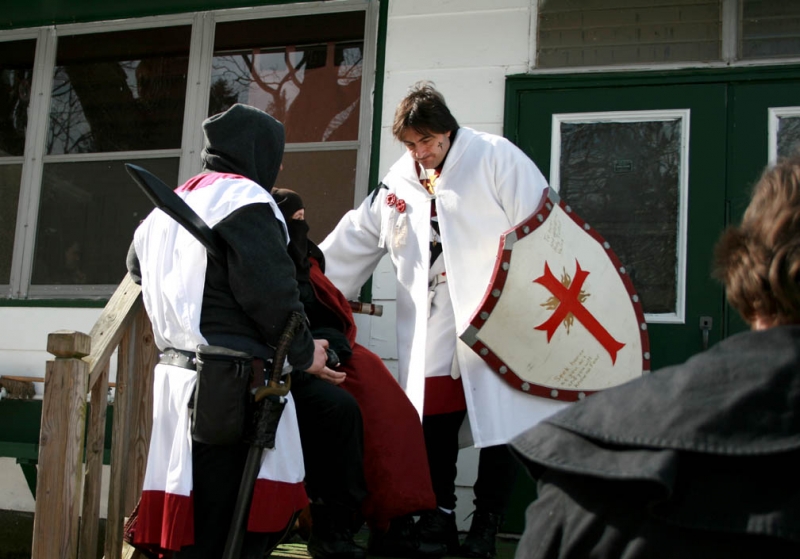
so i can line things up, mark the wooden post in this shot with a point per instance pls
(58, 490)
(90, 517)
(120, 442)
(141, 384)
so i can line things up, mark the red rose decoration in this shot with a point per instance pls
(391, 199)
(401, 206)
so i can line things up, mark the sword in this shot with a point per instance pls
(269, 402)
(176, 207)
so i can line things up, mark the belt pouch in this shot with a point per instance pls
(221, 396)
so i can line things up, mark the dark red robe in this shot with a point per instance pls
(395, 460)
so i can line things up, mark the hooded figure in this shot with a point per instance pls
(244, 141)
(242, 304)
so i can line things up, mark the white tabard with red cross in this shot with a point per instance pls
(560, 318)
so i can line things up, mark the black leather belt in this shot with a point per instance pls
(178, 358)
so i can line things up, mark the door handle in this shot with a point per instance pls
(706, 322)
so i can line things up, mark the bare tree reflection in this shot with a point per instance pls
(623, 179)
(15, 91)
(313, 89)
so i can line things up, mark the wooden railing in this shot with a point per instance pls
(68, 491)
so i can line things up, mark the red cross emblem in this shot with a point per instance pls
(569, 302)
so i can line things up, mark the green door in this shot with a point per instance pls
(658, 163)
(640, 163)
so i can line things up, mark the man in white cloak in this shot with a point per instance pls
(439, 214)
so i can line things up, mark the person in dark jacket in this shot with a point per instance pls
(242, 303)
(395, 460)
(698, 460)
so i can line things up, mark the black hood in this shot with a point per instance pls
(244, 141)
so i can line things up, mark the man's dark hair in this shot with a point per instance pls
(423, 110)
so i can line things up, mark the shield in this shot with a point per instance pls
(560, 317)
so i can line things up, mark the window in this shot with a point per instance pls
(769, 29)
(615, 32)
(116, 97)
(16, 75)
(625, 174)
(572, 33)
(136, 92)
(306, 72)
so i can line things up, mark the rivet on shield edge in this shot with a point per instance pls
(567, 209)
(581, 395)
(506, 265)
(503, 370)
(635, 298)
(647, 355)
(587, 226)
(539, 217)
(484, 352)
(526, 229)
(495, 293)
(554, 393)
(484, 315)
(644, 326)
(606, 245)
(549, 206)
(622, 270)
(526, 386)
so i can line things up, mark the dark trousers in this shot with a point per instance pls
(332, 436)
(217, 472)
(497, 467)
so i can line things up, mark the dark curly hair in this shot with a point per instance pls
(759, 261)
(423, 110)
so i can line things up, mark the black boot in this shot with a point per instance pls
(402, 540)
(437, 526)
(332, 534)
(480, 541)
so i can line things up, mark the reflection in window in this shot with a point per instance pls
(788, 135)
(326, 180)
(86, 225)
(9, 199)
(304, 71)
(623, 178)
(119, 91)
(16, 74)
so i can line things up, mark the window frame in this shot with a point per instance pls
(201, 51)
(730, 36)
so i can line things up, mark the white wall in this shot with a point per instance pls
(23, 352)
